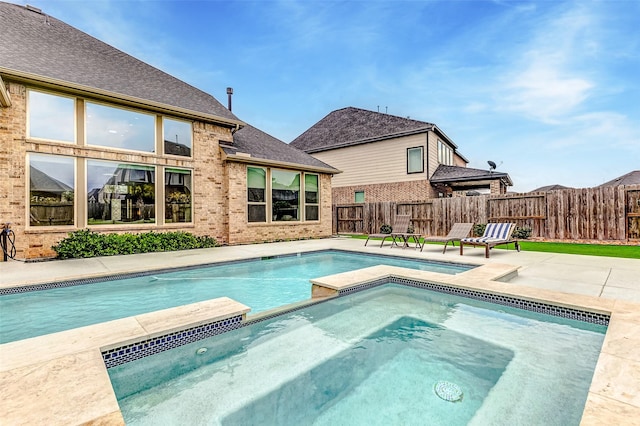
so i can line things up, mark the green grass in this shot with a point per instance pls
(627, 251)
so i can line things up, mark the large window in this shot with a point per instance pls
(279, 190)
(177, 191)
(445, 154)
(256, 194)
(51, 117)
(120, 193)
(285, 195)
(415, 160)
(311, 197)
(51, 190)
(176, 137)
(119, 128)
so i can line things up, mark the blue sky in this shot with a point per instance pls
(549, 90)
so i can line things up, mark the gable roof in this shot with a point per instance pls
(39, 48)
(548, 188)
(254, 146)
(452, 174)
(631, 178)
(354, 126)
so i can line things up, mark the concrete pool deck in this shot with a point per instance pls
(61, 378)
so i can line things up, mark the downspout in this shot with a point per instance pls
(5, 98)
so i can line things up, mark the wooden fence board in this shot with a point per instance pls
(608, 213)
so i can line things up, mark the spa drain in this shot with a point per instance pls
(448, 391)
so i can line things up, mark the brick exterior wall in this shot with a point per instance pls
(242, 232)
(419, 190)
(219, 188)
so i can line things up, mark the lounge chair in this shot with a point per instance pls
(399, 232)
(457, 232)
(396, 225)
(495, 234)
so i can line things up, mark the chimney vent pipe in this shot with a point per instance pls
(229, 93)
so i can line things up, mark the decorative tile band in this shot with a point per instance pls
(133, 351)
(527, 305)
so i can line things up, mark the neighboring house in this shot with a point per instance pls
(631, 178)
(91, 137)
(389, 158)
(549, 188)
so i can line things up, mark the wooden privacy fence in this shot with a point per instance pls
(607, 213)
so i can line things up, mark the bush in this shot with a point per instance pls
(478, 229)
(385, 229)
(522, 233)
(87, 243)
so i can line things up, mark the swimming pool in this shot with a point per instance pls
(261, 284)
(373, 357)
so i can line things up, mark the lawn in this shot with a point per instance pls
(626, 251)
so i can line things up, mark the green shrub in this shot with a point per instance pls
(478, 229)
(87, 243)
(522, 233)
(385, 229)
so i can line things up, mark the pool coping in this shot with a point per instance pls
(69, 383)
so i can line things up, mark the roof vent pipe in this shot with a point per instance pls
(229, 93)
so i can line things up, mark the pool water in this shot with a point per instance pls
(372, 358)
(259, 284)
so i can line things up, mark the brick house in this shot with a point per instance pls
(388, 158)
(91, 137)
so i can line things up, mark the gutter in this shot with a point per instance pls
(80, 89)
(5, 98)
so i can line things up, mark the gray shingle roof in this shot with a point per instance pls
(445, 174)
(631, 178)
(353, 126)
(259, 144)
(548, 188)
(39, 45)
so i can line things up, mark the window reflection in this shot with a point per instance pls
(177, 137)
(120, 193)
(51, 190)
(177, 192)
(51, 117)
(311, 207)
(119, 128)
(256, 193)
(285, 192)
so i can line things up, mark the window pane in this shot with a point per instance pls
(257, 213)
(359, 197)
(256, 184)
(177, 137)
(119, 128)
(311, 213)
(120, 193)
(285, 193)
(311, 189)
(414, 160)
(52, 185)
(177, 192)
(51, 117)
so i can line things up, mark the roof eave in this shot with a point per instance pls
(5, 98)
(503, 176)
(80, 89)
(247, 158)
